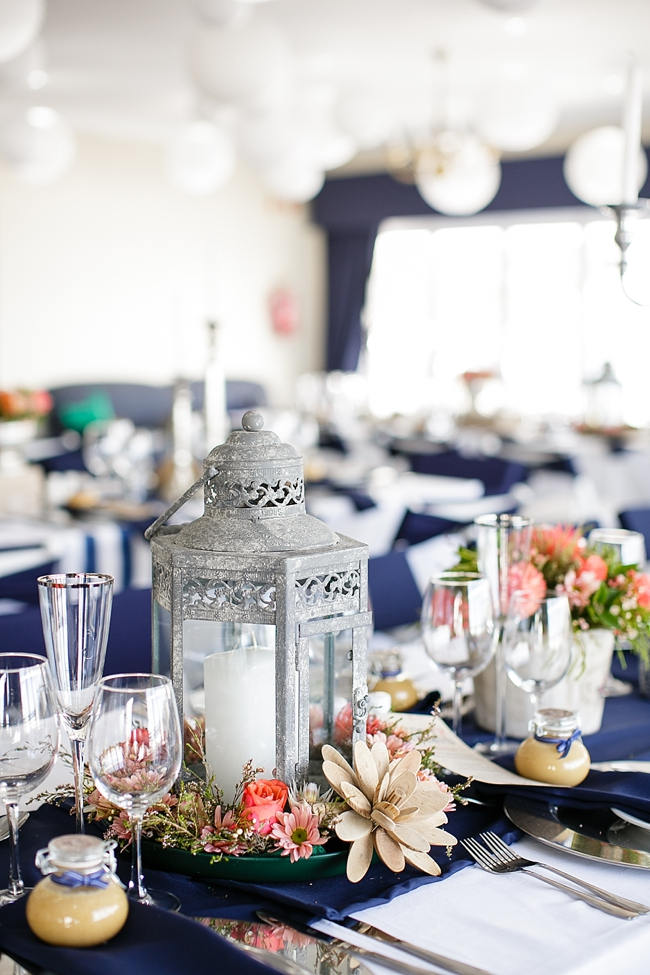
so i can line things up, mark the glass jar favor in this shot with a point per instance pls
(80, 902)
(393, 681)
(554, 752)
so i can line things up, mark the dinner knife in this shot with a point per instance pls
(337, 933)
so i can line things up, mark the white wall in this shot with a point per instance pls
(111, 272)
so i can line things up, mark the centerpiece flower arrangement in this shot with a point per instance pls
(389, 801)
(24, 404)
(602, 593)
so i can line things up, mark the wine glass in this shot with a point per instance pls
(538, 650)
(134, 756)
(76, 613)
(29, 739)
(625, 547)
(503, 543)
(458, 628)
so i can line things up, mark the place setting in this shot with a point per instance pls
(251, 799)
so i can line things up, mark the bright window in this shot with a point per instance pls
(536, 297)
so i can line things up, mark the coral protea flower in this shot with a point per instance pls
(296, 832)
(391, 811)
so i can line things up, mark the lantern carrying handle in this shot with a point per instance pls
(161, 519)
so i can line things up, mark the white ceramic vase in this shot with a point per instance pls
(579, 691)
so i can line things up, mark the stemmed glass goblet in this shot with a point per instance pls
(29, 739)
(134, 757)
(458, 628)
(76, 614)
(503, 544)
(538, 651)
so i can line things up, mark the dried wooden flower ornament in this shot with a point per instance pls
(391, 811)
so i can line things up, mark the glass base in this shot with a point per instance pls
(495, 748)
(6, 897)
(158, 898)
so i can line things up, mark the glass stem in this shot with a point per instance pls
(16, 886)
(136, 886)
(457, 715)
(500, 690)
(533, 698)
(78, 769)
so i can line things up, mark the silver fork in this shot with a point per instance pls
(488, 861)
(503, 851)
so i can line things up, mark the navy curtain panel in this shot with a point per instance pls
(350, 259)
(351, 209)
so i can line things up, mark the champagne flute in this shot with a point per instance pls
(29, 738)
(76, 613)
(134, 756)
(503, 542)
(458, 628)
(538, 651)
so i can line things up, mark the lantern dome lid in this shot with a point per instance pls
(254, 498)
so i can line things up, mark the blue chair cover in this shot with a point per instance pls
(22, 585)
(497, 474)
(418, 527)
(637, 520)
(394, 595)
(129, 637)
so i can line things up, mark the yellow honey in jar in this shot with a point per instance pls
(79, 902)
(554, 752)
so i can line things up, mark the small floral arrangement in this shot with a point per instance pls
(24, 404)
(601, 592)
(269, 816)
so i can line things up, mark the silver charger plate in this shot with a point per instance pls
(599, 836)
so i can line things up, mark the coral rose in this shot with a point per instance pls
(262, 800)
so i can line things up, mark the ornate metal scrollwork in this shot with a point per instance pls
(331, 587)
(241, 594)
(282, 493)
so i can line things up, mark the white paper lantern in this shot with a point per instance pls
(593, 166)
(37, 145)
(458, 176)
(201, 158)
(248, 66)
(20, 22)
(515, 120)
(294, 180)
(223, 13)
(509, 6)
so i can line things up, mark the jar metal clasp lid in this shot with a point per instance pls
(77, 852)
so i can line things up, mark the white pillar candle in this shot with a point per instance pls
(632, 110)
(239, 713)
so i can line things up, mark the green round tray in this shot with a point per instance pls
(256, 869)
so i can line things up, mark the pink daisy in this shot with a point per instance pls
(296, 832)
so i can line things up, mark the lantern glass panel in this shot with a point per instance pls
(162, 639)
(330, 690)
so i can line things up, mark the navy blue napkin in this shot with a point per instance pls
(152, 942)
(629, 791)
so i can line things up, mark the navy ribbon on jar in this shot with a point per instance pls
(73, 879)
(562, 744)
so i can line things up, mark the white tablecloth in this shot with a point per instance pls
(513, 924)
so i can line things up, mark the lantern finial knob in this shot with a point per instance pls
(252, 421)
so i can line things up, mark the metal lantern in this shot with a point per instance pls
(260, 612)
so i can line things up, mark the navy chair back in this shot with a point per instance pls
(395, 599)
(419, 526)
(129, 636)
(637, 520)
(497, 474)
(22, 585)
